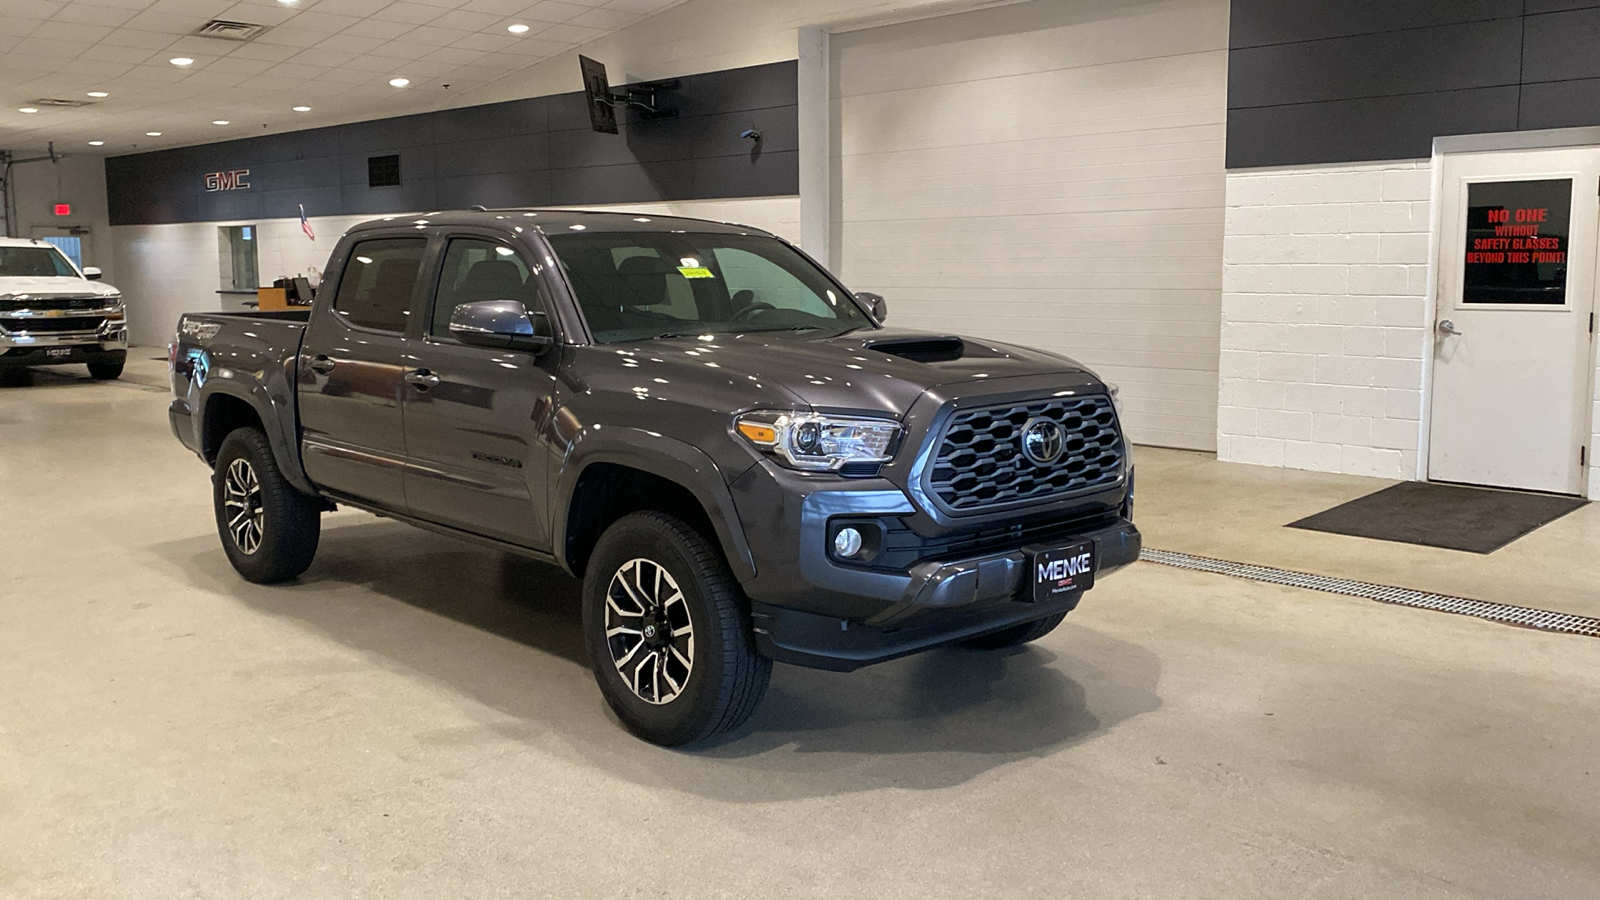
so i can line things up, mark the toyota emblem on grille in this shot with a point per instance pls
(1043, 440)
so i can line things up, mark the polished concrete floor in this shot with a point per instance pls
(414, 719)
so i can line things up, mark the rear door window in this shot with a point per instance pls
(379, 281)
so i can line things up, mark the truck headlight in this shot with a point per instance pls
(1116, 398)
(819, 443)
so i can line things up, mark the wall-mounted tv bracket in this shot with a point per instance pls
(643, 97)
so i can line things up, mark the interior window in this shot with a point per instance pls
(378, 281)
(476, 270)
(677, 300)
(766, 282)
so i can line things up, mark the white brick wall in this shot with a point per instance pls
(1324, 288)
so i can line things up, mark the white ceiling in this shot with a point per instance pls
(335, 56)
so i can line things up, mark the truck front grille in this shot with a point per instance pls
(33, 325)
(979, 462)
(21, 304)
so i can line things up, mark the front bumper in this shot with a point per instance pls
(941, 602)
(107, 342)
(813, 610)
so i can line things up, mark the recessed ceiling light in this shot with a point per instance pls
(30, 110)
(219, 121)
(289, 2)
(181, 61)
(99, 94)
(517, 29)
(399, 82)
(302, 109)
(152, 134)
(96, 143)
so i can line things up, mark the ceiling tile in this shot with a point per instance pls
(407, 11)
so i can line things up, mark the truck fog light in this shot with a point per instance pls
(847, 543)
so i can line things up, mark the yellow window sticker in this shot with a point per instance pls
(695, 272)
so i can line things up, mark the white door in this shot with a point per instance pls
(1512, 339)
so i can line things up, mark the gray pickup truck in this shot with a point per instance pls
(729, 448)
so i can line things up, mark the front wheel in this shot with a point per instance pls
(269, 530)
(669, 633)
(105, 371)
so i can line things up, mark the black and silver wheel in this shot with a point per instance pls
(241, 504)
(669, 632)
(269, 530)
(649, 631)
(1016, 635)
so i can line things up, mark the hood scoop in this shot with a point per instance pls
(920, 348)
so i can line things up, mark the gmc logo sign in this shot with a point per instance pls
(232, 180)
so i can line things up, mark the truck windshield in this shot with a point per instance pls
(638, 285)
(34, 262)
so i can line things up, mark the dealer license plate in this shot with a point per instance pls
(58, 352)
(1062, 570)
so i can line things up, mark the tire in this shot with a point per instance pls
(15, 376)
(105, 371)
(277, 539)
(649, 576)
(1016, 635)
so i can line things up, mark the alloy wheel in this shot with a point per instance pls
(648, 631)
(241, 498)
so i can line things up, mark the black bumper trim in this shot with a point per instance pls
(948, 602)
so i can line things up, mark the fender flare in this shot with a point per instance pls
(277, 417)
(665, 457)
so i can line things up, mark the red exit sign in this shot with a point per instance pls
(63, 209)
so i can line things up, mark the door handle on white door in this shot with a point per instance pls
(1449, 327)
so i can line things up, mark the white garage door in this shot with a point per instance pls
(1048, 173)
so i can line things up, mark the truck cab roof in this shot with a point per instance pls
(561, 221)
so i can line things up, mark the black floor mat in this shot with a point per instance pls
(1477, 520)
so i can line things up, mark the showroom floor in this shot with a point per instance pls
(414, 717)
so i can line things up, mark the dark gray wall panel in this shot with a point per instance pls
(1561, 46)
(1257, 22)
(538, 151)
(1417, 60)
(739, 176)
(641, 183)
(1532, 7)
(1348, 80)
(1374, 128)
(1560, 104)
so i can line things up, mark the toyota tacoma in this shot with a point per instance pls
(729, 448)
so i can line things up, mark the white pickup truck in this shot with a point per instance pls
(53, 313)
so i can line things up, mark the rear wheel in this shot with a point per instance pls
(669, 632)
(1016, 634)
(105, 371)
(269, 530)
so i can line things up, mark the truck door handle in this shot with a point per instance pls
(321, 364)
(1449, 327)
(422, 379)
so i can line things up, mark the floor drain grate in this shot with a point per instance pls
(1527, 617)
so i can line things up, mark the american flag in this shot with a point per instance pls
(305, 223)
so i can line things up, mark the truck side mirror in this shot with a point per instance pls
(91, 272)
(501, 325)
(877, 307)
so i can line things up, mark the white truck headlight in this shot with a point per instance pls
(819, 443)
(1116, 398)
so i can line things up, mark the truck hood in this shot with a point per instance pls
(56, 286)
(868, 371)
